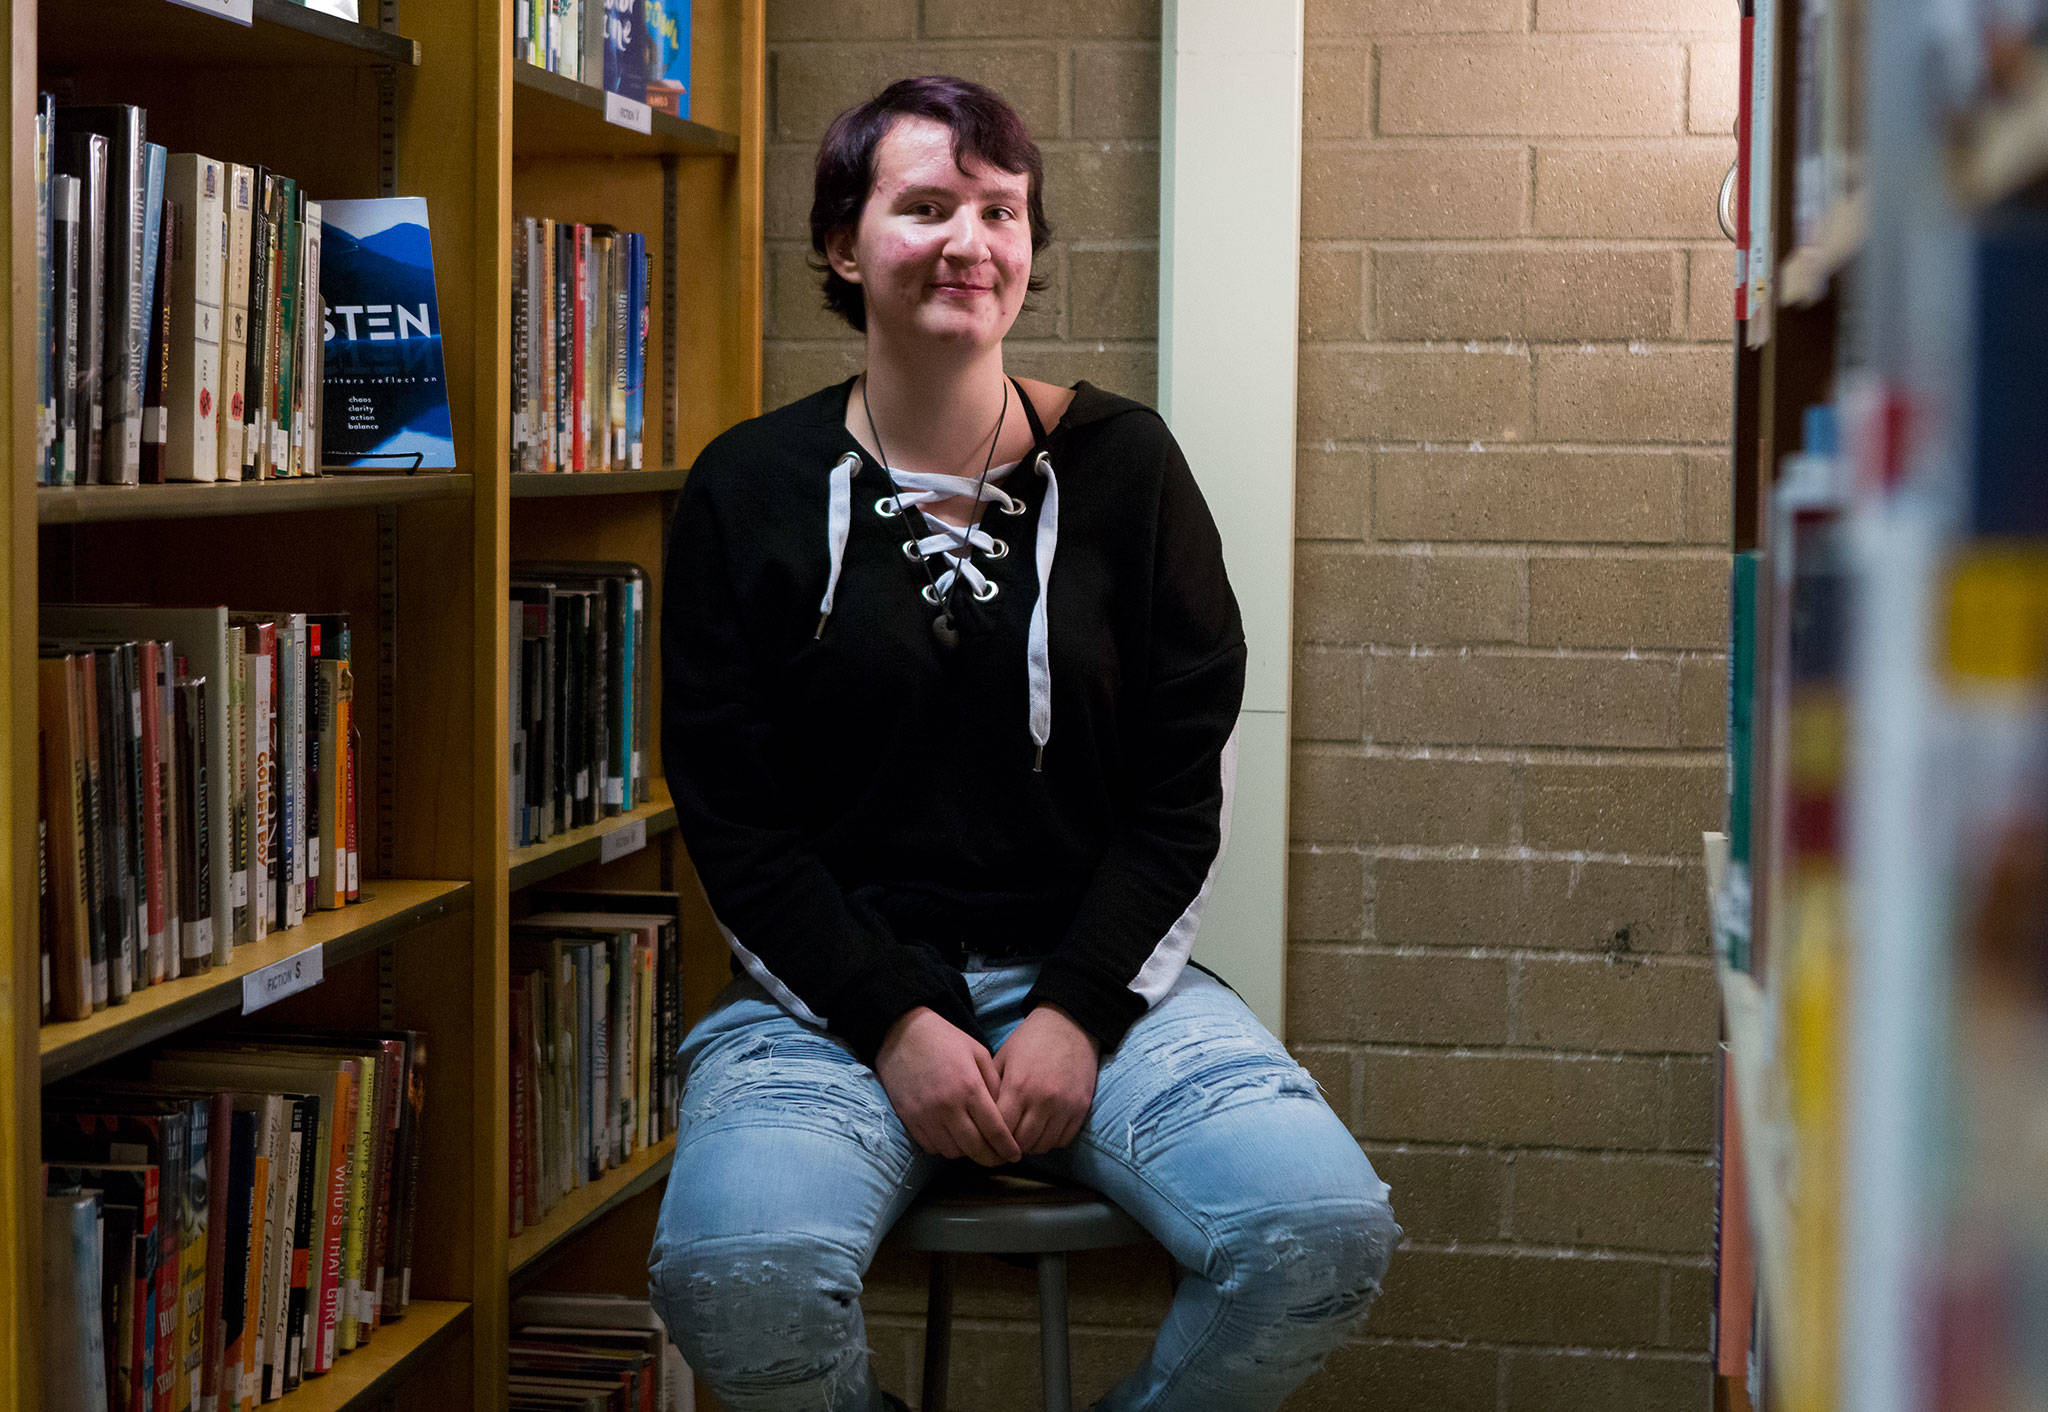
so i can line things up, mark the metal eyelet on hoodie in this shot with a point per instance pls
(1014, 506)
(992, 589)
(910, 551)
(888, 507)
(997, 550)
(931, 594)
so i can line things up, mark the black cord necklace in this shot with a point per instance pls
(944, 629)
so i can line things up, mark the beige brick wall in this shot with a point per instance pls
(1512, 513)
(1510, 603)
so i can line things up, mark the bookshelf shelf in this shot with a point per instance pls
(553, 116)
(1808, 271)
(532, 486)
(81, 504)
(101, 32)
(2008, 148)
(531, 1249)
(538, 862)
(389, 907)
(367, 1376)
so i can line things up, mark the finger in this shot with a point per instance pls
(991, 1125)
(991, 1066)
(971, 1143)
(934, 1139)
(1030, 1131)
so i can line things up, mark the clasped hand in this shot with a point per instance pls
(958, 1100)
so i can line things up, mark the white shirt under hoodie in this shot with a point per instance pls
(865, 805)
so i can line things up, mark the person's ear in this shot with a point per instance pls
(839, 254)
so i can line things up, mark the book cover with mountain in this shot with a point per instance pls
(384, 401)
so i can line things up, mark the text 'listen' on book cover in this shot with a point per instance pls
(385, 395)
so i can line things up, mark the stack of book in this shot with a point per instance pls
(594, 1351)
(174, 310)
(579, 346)
(577, 688)
(596, 1019)
(200, 773)
(640, 48)
(224, 1221)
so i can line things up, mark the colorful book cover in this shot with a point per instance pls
(627, 49)
(385, 395)
(667, 25)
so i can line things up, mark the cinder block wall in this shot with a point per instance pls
(1510, 606)
(1510, 600)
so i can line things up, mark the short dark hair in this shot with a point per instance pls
(984, 127)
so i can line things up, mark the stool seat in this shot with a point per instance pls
(1011, 1213)
(1002, 1212)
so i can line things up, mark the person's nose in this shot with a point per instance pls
(966, 242)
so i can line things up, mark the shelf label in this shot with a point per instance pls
(281, 978)
(623, 111)
(630, 838)
(236, 10)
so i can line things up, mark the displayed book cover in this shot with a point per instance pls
(627, 48)
(385, 394)
(667, 26)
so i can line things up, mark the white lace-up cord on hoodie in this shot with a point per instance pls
(838, 524)
(916, 489)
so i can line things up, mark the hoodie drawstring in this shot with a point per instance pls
(838, 524)
(1038, 640)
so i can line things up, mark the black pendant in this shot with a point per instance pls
(945, 632)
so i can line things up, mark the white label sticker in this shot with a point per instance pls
(237, 10)
(624, 112)
(281, 978)
(630, 838)
(238, 889)
(613, 790)
(583, 784)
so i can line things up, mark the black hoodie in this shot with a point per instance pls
(865, 806)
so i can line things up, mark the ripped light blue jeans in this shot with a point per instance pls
(791, 1166)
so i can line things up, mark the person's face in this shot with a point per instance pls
(940, 253)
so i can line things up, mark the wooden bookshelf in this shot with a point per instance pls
(536, 1246)
(364, 1378)
(538, 487)
(537, 862)
(84, 504)
(389, 910)
(435, 105)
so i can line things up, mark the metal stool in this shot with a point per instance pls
(1022, 1219)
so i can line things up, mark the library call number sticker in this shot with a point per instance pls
(281, 978)
(625, 112)
(236, 10)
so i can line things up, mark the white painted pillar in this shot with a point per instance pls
(1229, 254)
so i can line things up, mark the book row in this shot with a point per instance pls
(223, 1221)
(579, 346)
(643, 46)
(577, 689)
(594, 1353)
(175, 309)
(198, 789)
(596, 1019)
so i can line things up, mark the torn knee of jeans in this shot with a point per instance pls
(1323, 1266)
(1203, 1081)
(760, 1316)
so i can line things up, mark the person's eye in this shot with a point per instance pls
(1002, 213)
(924, 208)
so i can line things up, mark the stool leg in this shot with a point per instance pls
(1055, 1377)
(938, 1334)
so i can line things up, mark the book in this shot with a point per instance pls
(83, 156)
(155, 169)
(196, 189)
(65, 333)
(234, 363)
(385, 391)
(123, 217)
(667, 24)
(73, 1352)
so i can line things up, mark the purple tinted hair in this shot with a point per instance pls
(984, 127)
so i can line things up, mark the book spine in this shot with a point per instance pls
(521, 335)
(198, 932)
(46, 410)
(152, 355)
(305, 1225)
(291, 219)
(126, 185)
(579, 349)
(242, 834)
(194, 184)
(173, 803)
(149, 716)
(305, 446)
(89, 414)
(156, 429)
(234, 363)
(64, 198)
